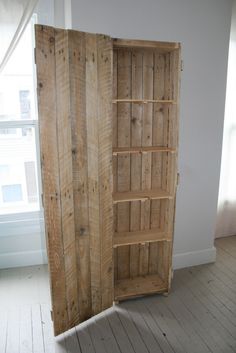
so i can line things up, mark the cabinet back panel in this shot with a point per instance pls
(142, 74)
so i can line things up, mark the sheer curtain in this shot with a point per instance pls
(14, 16)
(226, 219)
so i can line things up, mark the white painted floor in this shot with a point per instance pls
(198, 316)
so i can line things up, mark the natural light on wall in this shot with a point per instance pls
(19, 189)
(226, 220)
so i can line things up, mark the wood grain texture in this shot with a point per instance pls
(64, 141)
(75, 109)
(136, 160)
(199, 312)
(123, 166)
(77, 53)
(93, 171)
(105, 67)
(45, 58)
(132, 43)
(99, 135)
(83, 136)
(145, 159)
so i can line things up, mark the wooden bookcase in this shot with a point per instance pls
(145, 141)
(108, 122)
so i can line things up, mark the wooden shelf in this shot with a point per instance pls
(133, 287)
(148, 44)
(144, 101)
(126, 150)
(140, 237)
(141, 195)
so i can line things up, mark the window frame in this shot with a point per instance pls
(24, 217)
(19, 216)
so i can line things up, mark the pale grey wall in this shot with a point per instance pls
(203, 27)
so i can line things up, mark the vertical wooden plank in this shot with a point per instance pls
(80, 167)
(104, 53)
(162, 249)
(65, 172)
(93, 169)
(114, 144)
(123, 182)
(157, 140)
(175, 61)
(146, 157)
(45, 58)
(136, 159)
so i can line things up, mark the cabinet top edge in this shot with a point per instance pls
(145, 44)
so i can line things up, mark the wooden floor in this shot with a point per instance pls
(198, 316)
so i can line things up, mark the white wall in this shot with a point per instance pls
(203, 28)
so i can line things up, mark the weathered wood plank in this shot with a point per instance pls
(136, 160)
(146, 158)
(93, 169)
(64, 141)
(77, 53)
(104, 53)
(45, 58)
(123, 181)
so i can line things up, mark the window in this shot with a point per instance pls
(12, 193)
(19, 166)
(24, 96)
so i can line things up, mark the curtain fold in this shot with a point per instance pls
(14, 17)
(226, 218)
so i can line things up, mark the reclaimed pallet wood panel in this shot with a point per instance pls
(75, 107)
(145, 128)
(108, 117)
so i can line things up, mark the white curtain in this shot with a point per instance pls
(14, 16)
(226, 219)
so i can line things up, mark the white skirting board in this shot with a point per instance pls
(194, 258)
(29, 258)
(24, 258)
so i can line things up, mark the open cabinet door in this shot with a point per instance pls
(74, 77)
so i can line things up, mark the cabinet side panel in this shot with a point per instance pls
(114, 144)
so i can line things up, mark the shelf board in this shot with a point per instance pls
(143, 101)
(126, 150)
(140, 237)
(148, 44)
(141, 195)
(133, 287)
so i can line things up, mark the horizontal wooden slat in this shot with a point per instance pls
(144, 101)
(132, 287)
(131, 43)
(141, 195)
(140, 237)
(125, 150)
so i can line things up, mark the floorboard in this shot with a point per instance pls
(198, 316)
